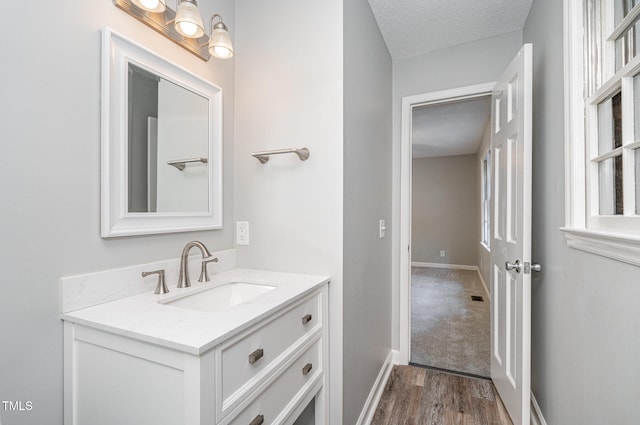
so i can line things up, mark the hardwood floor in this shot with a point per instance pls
(418, 396)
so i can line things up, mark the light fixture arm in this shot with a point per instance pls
(219, 25)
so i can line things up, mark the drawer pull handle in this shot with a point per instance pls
(259, 420)
(254, 357)
(307, 369)
(306, 319)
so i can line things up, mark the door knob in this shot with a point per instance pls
(513, 266)
(536, 267)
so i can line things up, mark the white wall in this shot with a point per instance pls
(50, 174)
(183, 127)
(367, 199)
(289, 94)
(585, 317)
(295, 88)
(445, 210)
(467, 64)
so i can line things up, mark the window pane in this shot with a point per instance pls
(621, 8)
(627, 46)
(610, 124)
(610, 185)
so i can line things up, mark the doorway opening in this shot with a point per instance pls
(445, 138)
(450, 320)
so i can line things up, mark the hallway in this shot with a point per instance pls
(422, 396)
(449, 330)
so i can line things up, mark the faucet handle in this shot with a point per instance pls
(204, 275)
(161, 288)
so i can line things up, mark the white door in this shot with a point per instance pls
(511, 244)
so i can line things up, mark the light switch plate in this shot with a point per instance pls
(383, 229)
(242, 233)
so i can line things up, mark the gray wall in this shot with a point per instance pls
(143, 103)
(585, 318)
(321, 215)
(50, 174)
(367, 199)
(477, 62)
(444, 210)
(289, 94)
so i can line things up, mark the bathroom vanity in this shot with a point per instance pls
(258, 356)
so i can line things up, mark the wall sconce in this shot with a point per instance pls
(184, 26)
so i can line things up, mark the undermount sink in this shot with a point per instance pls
(220, 297)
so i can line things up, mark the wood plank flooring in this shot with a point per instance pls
(419, 396)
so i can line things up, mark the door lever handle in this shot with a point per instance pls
(513, 266)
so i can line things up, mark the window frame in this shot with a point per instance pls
(616, 237)
(485, 199)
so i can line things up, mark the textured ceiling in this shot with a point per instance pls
(447, 129)
(414, 27)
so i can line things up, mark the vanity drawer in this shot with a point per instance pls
(244, 358)
(276, 397)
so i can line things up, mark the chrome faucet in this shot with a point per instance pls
(183, 279)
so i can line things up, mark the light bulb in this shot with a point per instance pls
(149, 4)
(222, 52)
(188, 28)
(154, 6)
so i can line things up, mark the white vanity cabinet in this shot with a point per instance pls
(265, 373)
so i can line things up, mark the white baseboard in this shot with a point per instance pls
(456, 267)
(395, 357)
(369, 409)
(484, 284)
(443, 266)
(536, 413)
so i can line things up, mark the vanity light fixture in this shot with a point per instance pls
(219, 41)
(184, 26)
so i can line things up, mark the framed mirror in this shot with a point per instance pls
(161, 144)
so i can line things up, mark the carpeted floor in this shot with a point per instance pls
(448, 329)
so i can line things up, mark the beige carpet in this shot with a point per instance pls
(448, 329)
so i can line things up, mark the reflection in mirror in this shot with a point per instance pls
(161, 150)
(167, 123)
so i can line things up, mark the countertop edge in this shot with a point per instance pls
(308, 285)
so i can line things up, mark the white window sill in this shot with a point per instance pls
(485, 246)
(617, 246)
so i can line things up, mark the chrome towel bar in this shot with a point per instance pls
(263, 156)
(180, 163)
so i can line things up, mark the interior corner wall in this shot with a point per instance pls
(444, 210)
(289, 94)
(585, 319)
(50, 169)
(477, 62)
(367, 200)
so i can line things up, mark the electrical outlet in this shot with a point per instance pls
(442, 253)
(242, 233)
(383, 229)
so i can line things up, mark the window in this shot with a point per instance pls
(602, 95)
(485, 167)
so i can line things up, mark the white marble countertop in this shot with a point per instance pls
(144, 318)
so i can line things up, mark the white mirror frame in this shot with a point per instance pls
(116, 220)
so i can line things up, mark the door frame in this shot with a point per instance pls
(404, 254)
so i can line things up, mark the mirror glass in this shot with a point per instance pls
(167, 145)
(161, 144)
